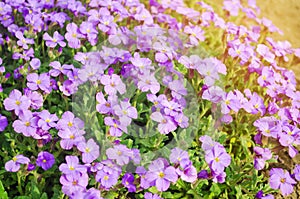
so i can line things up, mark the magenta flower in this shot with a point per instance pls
(17, 102)
(26, 124)
(166, 124)
(90, 150)
(14, 164)
(45, 160)
(280, 179)
(42, 81)
(3, 122)
(23, 41)
(73, 36)
(53, 41)
(113, 84)
(161, 174)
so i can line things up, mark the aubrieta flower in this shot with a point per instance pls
(166, 123)
(90, 150)
(23, 41)
(196, 34)
(125, 112)
(105, 106)
(128, 182)
(265, 52)
(14, 164)
(260, 195)
(296, 172)
(149, 195)
(45, 160)
(73, 36)
(187, 171)
(217, 158)
(27, 124)
(74, 183)
(53, 41)
(58, 69)
(113, 84)
(47, 120)
(70, 137)
(68, 120)
(261, 155)
(17, 102)
(35, 63)
(280, 179)
(72, 167)
(3, 122)
(162, 174)
(42, 81)
(120, 153)
(148, 82)
(116, 127)
(178, 155)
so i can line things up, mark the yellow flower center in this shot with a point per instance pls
(161, 174)
(74, 35)
(47, 120)
(18, 102)
(54, 40)
(38, 82)
(87, 150)
(217, 159)
(119, 152)
(115, 125)
(74, 182)
(282, 180)
(256, 105)
(105, 177)
(227, 102)
(44, 160)
(27, 123)
(72, 137)
(15, 159)
(70, 124)
(71, 168)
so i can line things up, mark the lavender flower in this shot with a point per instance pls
(3, 123)
(17, 102)
(53, 41)
(127, 181)
(280, 179)
(90, 150)
(73, 36)
(35, 81)
(14, 164)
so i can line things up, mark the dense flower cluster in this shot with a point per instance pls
(141, 58)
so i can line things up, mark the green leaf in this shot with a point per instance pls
(35, 192)
(3, 193)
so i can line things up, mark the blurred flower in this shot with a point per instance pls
(14, 164)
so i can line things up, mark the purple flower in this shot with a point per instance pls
(148, 82)
(72, 167)
(161, 174)
(196, 34)
(45, 160)
(35, 63)
(73, 36)
(214, 94)
(217, 158)
(42, 81)
(23, 41)
(265, 52)
(53, 41)
(141, 171)
(280, 179)
(149, 195)
(125, 112)
(3, 122)
(127, 181)
(187, 171)
(166, 124)
(261, 155)
(47, 120)
(88, 29)
(107, 178)
(68, 120)
(260, 195)
(74, 183)
(17, 102)
(14, 164)
(58, 69)
(70, 137)
(120, 153)
(113, 84)
(35, 98)
(116, 128)
(105, 106)
(90, 150)
(26, 124)
(297, 172)
(178, 155)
